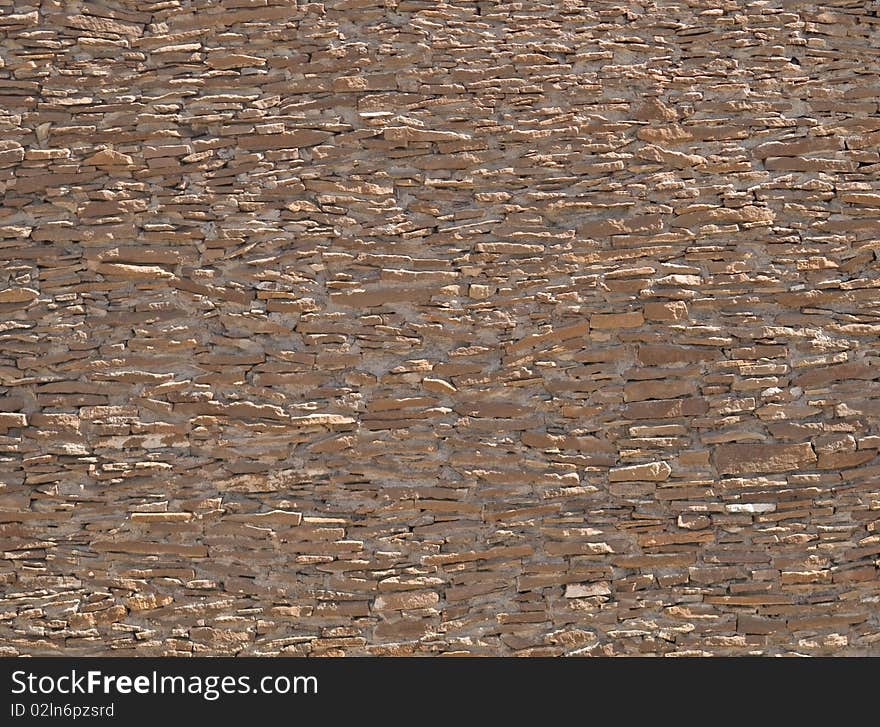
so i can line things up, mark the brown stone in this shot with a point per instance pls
(424, 329)
(18, 295)
(674, 311)
(605, 321)
(745, 458)
(666, 408)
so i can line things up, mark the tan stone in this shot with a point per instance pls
(406, 600)
(109, 158)
(133, 272)
(587, 590)
(148, 601)
(329, 420)
(225, 61)
(650, 472)
(438, 386)
(480, 292)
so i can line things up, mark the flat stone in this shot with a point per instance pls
(747, 458)
(651, 472)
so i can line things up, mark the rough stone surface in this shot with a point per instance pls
(407, 327)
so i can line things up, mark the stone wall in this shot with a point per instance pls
(416, 327)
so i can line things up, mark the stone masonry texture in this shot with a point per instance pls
(409, 327)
